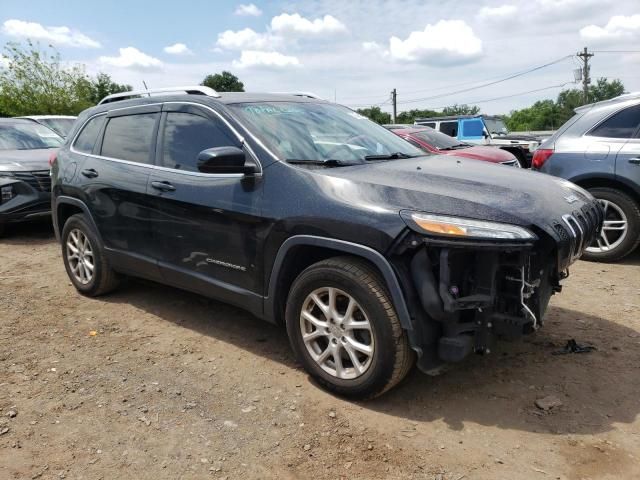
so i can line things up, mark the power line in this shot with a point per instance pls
(615, 51)
(493, 82)
(512, 95)
(515, 75)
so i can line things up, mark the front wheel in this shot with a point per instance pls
(344, 329)
(621, 229)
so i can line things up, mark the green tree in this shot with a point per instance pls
(102, 86)
(375, 114)
(409, 116)
(549, 115)
(463, 109)
(223, 82)
(36, 82)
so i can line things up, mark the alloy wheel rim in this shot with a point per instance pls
(614, 229)
(80, 256)
(337, 333)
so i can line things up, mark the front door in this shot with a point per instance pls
(206, 226)
(628, 158)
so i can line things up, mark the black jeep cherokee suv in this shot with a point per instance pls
(306, 213)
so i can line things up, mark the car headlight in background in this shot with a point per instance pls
(6, 193)
(445, 226)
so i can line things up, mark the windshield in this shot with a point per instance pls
(437, 139)
(27, 136)
(61, 126)
(318, 132)
(496, 126)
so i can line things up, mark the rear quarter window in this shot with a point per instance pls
(88, 135)
(622, 124)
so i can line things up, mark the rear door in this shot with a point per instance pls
(628, 158)
(206, 231)
(115, 185)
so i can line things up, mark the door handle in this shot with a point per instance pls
(635, 160)
(163, 186)
(89, 173)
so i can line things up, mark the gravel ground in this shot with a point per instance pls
(152, 382)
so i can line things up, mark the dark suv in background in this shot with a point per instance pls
(599, 149)
(306, 213)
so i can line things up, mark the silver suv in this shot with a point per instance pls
(599, 149)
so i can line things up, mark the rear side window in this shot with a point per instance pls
(186, 135)
(449, 128)
(621, 125)
(89, 134)
(129, 137)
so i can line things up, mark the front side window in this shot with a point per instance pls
(129, 137)
(186, 135)
(89, 134)
(27, 136)
(620, 125)
(320, 132)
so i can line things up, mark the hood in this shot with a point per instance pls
(462, 187)
(488, 154)
(25, 160)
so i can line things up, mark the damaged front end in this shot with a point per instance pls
(467, 292)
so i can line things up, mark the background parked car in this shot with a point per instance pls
(599, 149)
(485, 130)
(25, 185)
(432, 141)
(61, 124)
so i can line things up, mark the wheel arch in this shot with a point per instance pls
(588, 182)
(300, 251)
(65, 207)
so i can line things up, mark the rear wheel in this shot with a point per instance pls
(84, 258)
(621, 230)
(344, 329)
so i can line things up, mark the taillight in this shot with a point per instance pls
(540, 156)
(52, 158)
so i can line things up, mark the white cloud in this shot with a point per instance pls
(298, 25)
(249, 10)
(131, 57)
(618, 28)
(246, 39)
(375, 47)
(254, 58)
(448, 42)
(60, 36)
(4, 62)
(178, 49)
(497, 13)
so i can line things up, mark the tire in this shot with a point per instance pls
(618, 202)
(102, 279)
(390, 358)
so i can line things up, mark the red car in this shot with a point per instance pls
(432, 141)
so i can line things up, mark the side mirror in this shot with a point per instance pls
(226, 160)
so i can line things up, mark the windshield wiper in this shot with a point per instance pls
(388, 156)
(457, 146)
(329, 162)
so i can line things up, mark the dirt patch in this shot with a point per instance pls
(151, 382)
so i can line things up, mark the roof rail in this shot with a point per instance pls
(299, 94)
(192, 90)
(619, 98)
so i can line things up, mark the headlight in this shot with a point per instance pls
(445, 226)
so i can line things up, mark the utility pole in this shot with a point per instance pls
(586, 80)
(394, 94)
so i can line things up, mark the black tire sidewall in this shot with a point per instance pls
(78, 222)
(381, 369)
(631, 210)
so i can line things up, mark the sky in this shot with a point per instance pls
(434, 53)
